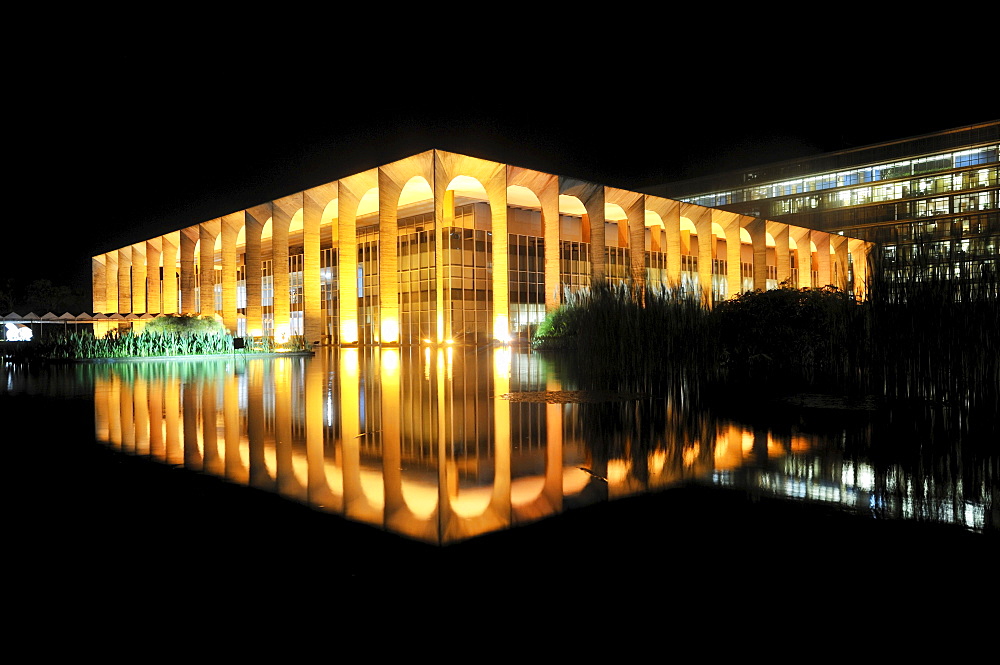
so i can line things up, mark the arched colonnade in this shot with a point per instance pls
(366, 266)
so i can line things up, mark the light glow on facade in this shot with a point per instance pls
(453, 249)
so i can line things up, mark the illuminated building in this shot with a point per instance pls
(932, 202)
(362, 261)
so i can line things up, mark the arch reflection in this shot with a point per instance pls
(438, 444)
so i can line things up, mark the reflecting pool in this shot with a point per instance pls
(443, 444)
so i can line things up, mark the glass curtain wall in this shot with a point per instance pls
(417, 274)
(468, 275)
(328, 294)
(526, 270)
(368, 284)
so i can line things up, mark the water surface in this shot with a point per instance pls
(443, 444)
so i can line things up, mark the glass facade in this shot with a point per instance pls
(934, 212)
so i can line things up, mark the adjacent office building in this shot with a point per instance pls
(446, 248)
(932, 202)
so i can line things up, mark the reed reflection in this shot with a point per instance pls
(442, 444)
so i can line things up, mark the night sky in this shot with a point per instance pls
(127, 141)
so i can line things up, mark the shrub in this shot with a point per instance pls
(184, 324)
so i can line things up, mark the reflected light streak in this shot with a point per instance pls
(481, 483)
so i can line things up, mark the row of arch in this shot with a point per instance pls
(138, 278)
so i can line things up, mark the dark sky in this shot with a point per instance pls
(126, 142)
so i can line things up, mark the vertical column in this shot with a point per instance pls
(388, 250)
(783, 261)
(549, 199)
(822, 242)
(758, 238)
(208, 232)
(496, 190)
(169, 244)
(188, 240)
(99, 283)
(839, 271)
(111, 283)
(139, 278)
(731, 226)
(702, 218)
(444, 219)
(284, 209)
(125, 280)
(801, 238)
(347, 264)
(230, 228)
(153, 291)
(312, 310)
(636, 212)
(672, 242)
(859, 256)
(256, 217)
(598, 243)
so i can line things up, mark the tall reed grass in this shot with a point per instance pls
(635, 338)
(934, 341)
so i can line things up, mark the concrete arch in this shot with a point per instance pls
(283, 211)
(350, 191)
(231, 226)
(654, 240)
(295, 223)
(778, 255)
(406, 182)
(469, 188)
(544, 189)
(255, 220)
(633, 236)
(613, 213)
(798, 242)
(368, 203)
(138, 278)
(208, 233)
(493, 178)
(668, 211)
(124, 280)
(614, 216)
(319, 215)
(154, 264)
(416, 190)
(592, 197)
(522, 196)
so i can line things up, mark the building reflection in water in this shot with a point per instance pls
(442, 444)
